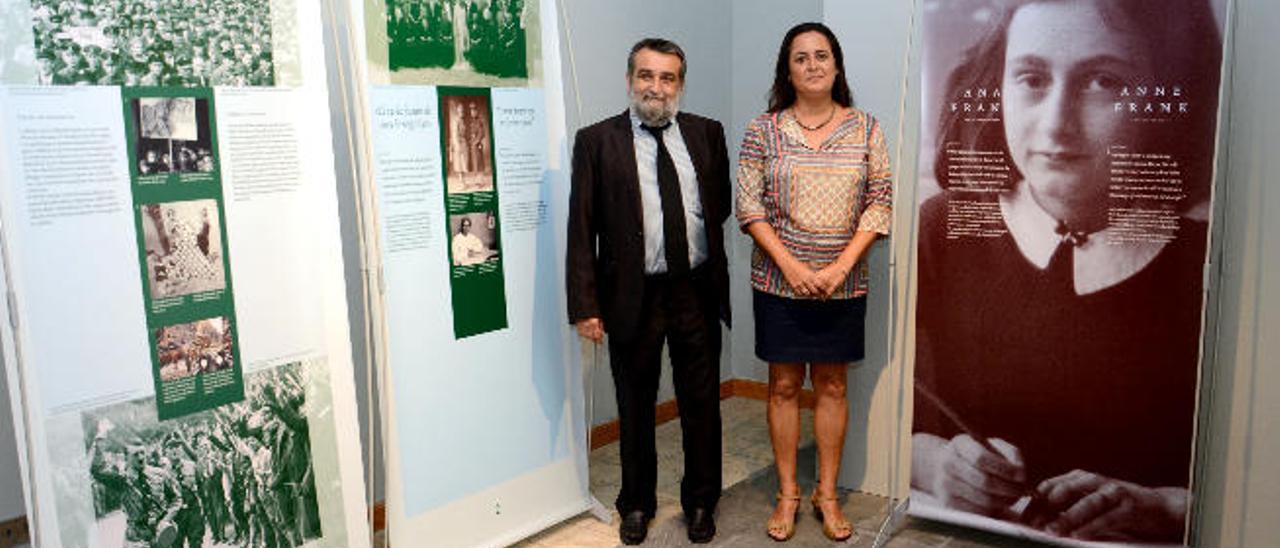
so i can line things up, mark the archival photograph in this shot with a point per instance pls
(461, 42)
(153, 42)
(184, 248)
(188, 349)
(240, 475)
(172, 135)
(467, 143)
(1063, 227)
(473, 238)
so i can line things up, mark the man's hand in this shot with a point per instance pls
(591, 328)
(1095, 507)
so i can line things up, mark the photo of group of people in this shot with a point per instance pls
(194, 348)
(172, 135)
(153, 42)
(483, 36)
(474, 238)
(467, 143)
(184, 248)
(240, 475)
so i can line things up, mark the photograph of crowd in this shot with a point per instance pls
(171, 135)
(467, 143)
(474, 238)
(484, 36)
(153, 42)
(184, 248)
(188, 349)
(240, 475)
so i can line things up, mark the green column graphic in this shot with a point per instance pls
(471, 207)
(182, 247)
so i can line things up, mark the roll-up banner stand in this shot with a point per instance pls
(464, 153)
(1067, 166)
(177, 341)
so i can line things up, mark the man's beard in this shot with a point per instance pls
(653, 114)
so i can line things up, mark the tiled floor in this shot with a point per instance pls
(746, 448)
(747, 454)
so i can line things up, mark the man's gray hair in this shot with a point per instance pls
(660, 45)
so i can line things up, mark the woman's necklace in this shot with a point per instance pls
(830, 116)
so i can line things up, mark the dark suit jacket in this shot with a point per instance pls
(604, 274)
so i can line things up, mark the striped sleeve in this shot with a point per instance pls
(877, 216)
(751, 172)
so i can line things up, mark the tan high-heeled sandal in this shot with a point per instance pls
(836, 527)
(787, 529)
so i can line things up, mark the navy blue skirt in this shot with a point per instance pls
(809, 330)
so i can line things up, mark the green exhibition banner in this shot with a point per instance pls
(181, 231)
(471, 205)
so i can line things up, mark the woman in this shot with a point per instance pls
(814, 192)
(1059, 305)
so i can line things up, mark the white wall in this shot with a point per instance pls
(11, 499)
(758, 28)
(874, 36)
(1240, 494)
(595, 43)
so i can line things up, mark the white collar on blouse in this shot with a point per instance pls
(1098, 262)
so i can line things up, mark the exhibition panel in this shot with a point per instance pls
(462, 140)
(1062, 265)
(177, 340)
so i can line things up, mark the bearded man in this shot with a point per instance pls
(646, 264)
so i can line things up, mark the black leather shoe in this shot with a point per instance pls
(702, 525)
(635, 526)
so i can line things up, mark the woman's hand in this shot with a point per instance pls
(964, 475)
(830, 278)
(800, 277)
(1095, 507)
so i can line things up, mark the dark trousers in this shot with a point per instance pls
(683, 313)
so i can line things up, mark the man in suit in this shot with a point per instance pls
(646, 264)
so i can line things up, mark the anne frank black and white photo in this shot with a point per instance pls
(172, 135)
(153, 42)
(482, 36)
(1059, 309)
(184, 251)
(468, 143)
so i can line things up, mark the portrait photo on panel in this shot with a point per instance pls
(473, 238)
(184, 248)
(193, 348)
(468, 144)
(172, 135)
(1060, 264)
(153, 42)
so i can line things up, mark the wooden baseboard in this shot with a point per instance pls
(14, 532)
(608, 432)
(378, 516)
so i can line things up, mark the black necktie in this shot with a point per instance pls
(675, 239)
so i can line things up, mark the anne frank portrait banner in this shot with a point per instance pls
(1063, 235)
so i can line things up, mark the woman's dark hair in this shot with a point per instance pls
(783, 93)
(1180, 37)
